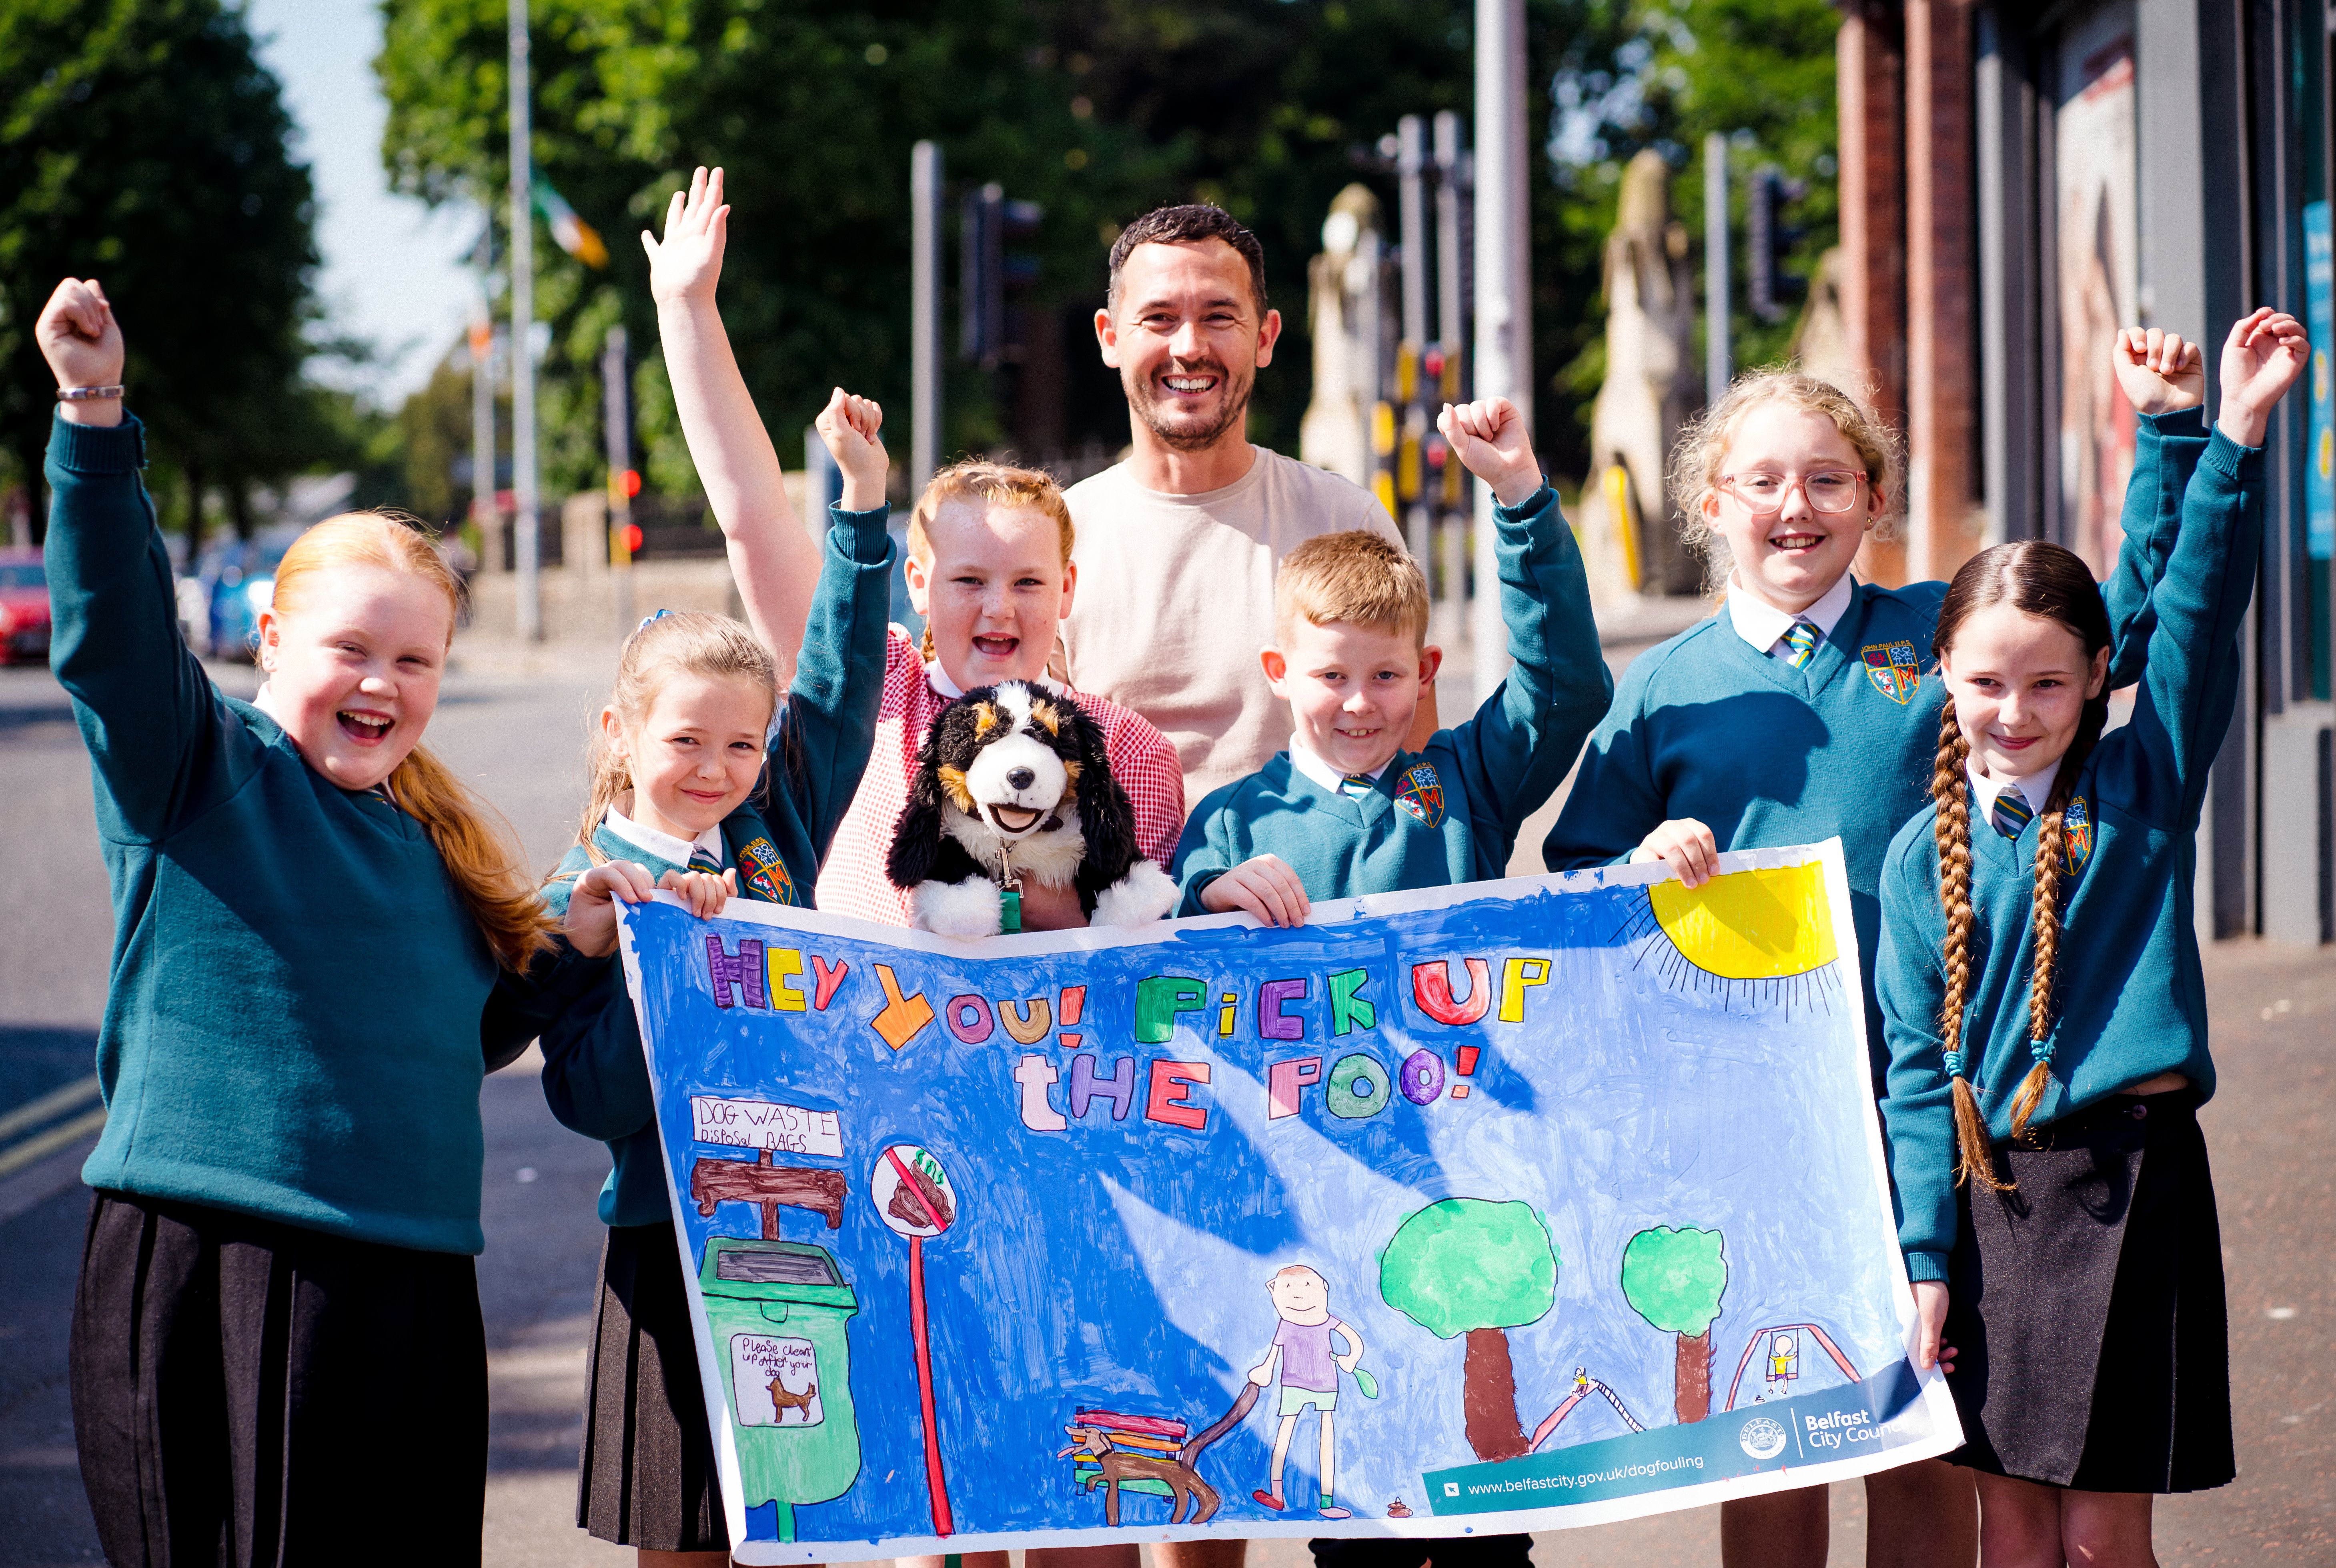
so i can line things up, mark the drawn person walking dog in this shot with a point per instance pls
(1310, 1372)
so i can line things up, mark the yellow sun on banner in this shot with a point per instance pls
(1765, 935)
(1760, 925)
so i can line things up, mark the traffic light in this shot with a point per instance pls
(1768, 239)
(989, 275)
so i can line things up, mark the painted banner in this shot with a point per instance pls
(1529, 1205)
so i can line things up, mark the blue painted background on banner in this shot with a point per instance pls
(1119, 1262)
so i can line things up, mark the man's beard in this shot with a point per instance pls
(1178, 436)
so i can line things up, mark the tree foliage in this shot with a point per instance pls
(143, 142)
(1470, 1263)
(1674, 1279)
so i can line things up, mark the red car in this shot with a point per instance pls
(23, 606)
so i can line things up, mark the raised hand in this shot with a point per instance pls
(1489, 437)
(2161, 371)
(688, 264)
(82, 343)
(2262, 359)
(851, 427)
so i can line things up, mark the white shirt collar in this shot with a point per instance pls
(665, 846)
(2036, 789)
(1764, 626)
(1302, 758)
(940, 682)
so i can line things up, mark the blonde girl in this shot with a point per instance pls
(693, 788)
(1808, 708)
(321, 945)
(988, 566)
(2039, 977)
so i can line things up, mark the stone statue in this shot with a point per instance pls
(1347, 320)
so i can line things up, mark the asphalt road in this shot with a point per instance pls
(514, 728)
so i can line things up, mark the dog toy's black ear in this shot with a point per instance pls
(917, 836)
(1106, 816)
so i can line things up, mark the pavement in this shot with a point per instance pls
(513, 721)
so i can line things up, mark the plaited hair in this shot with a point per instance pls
(1193, 224)
(678, 643)
(482, 859)
(1352, 576)
(1700, 456)
(982, 482)
(2036, 578)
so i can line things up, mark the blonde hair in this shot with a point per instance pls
(485, 866)
(1352, 576)
(1702, 449)
(994, 484)
(669, 644)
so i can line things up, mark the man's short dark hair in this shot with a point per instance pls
(1193, 224)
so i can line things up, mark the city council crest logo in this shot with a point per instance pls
(1760, 1439)
(1893, 667)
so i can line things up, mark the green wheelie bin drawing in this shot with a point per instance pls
(776, 1312)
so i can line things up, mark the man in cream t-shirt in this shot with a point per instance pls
(1177, 546)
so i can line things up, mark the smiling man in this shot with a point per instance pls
(1178, 545)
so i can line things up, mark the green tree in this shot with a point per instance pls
(1674, 1279)
(143, 142)
(1473, 1269)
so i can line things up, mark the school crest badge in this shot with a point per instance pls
(1893, 667)
(1421, 792)
(2076, 835)
(758, 860)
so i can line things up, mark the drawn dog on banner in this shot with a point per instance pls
(1013, 782)
(1175, 1471)
(782, 1401)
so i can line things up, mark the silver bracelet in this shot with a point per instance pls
(86, 394)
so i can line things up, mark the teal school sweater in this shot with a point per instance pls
(594, 1076)
(301, 1009)
(1450, 814)
(2129, 997)
(1708, 726)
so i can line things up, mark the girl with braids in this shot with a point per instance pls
(321, 944)
(2039, 982)
(694, 788)
(1807, 710)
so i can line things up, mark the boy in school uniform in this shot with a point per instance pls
(1346, 811)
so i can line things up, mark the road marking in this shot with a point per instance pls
(55, 1103)
(48, 1142)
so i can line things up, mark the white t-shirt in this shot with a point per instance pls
(1175, 598)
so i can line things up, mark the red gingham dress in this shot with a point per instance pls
(851, 880)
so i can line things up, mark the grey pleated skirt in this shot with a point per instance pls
(647, 1477)
(2087, 1309)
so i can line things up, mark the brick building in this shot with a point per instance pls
(2017, 179)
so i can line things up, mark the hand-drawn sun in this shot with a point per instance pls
(1769, 932)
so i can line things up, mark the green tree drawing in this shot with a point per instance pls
(1674, 1279)
(1475, 1268)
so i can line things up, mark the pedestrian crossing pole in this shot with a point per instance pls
(524, 556)
(1504, 289)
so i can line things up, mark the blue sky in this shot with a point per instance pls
(393, 271)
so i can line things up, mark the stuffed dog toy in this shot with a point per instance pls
(1013, 783)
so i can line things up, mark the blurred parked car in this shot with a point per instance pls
(23, 606)
(238, 581)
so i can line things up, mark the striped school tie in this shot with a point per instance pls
(1356, 786)
(1800, 644)
(2011, 813)
(701, 859)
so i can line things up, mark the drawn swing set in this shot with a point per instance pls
(1265, 1245)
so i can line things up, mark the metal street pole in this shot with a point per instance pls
(1503, 288)
(1452, 219)
(617, 428)
(1718, 364)
(1410, 469)
(924, 314)
(1411, 161)
(522, 344)
(482, 402)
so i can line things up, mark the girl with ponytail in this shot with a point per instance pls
(2041, 997)
(322, 943)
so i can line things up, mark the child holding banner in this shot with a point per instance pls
(319, 933)
(694, 788)
(1803, 713)
(988, 566)
(2038, 943)
(1344, 811)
